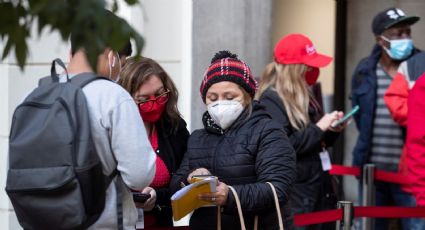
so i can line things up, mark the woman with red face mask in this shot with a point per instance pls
(285, 91)
(156, 97)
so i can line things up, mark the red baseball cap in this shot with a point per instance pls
(298, 49)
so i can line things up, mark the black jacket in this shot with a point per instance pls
(254, 150)
(171, 148)
(363, 93)
(306, 142)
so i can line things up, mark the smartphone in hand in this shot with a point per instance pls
(346, 117)
(141, 197)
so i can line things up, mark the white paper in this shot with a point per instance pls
(326, 160)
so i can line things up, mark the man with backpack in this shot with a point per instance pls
(59, 187)
(119, 135)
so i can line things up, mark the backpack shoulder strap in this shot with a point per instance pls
(80, 80)
(111, 177)
(45, 81)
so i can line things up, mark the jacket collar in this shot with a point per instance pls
(368, 68)
(210, 125)
(372, 60)
(375, 55)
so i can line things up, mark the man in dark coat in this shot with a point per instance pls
(380, 139)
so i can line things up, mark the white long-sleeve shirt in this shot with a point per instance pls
(121, 142)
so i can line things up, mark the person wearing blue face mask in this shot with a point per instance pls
(381, 139)
(399, 49)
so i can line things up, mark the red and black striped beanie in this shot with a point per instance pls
(226, 66)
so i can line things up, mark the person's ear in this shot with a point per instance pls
(381, 42)
(378, 39)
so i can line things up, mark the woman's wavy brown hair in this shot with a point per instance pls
(137, 70)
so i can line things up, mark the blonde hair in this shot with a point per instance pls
(289, 83)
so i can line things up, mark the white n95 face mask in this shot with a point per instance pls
(225, 112)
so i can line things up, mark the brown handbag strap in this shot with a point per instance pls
(238, 205)
(276, 202)
(241, 219)
(218, 217)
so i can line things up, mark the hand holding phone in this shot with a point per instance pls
(141, 197)
(346, 117)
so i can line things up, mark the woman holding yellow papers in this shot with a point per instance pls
(242, 147)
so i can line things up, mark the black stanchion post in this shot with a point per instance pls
(347, 216)
(368, 193)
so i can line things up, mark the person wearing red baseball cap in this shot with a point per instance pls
(285, 91)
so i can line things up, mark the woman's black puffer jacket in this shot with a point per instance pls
(313, 189)
(254, 150)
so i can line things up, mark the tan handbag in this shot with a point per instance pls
(241, 219)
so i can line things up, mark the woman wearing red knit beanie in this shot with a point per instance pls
(241, 146)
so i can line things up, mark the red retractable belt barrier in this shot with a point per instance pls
(373, 212)
(389, 212)
(341, 170)
(380, 175)
(391, 177)
(318, 217)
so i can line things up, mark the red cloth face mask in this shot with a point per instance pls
(151, 111)
(312, 75)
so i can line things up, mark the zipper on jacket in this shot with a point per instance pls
(214, 166)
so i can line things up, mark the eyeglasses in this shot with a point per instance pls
(147, 105)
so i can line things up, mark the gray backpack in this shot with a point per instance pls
(55, 178)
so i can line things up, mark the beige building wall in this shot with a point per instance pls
(316, 20)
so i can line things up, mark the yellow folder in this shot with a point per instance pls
(186, 199)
